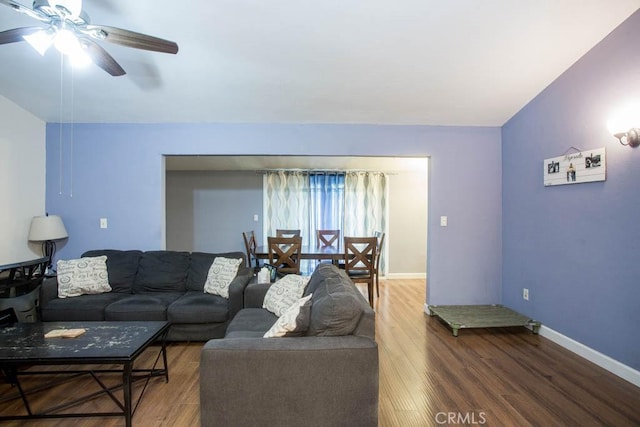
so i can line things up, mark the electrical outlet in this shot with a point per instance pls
(525, 294)
(103, 222)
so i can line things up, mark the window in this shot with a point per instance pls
(326, 201)
(354, 202)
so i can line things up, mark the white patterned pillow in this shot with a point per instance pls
(221, 274)
(284, 293)
(294, 321)
(84, 276)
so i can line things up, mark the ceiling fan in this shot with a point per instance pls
(68, 28)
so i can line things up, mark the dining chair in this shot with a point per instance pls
(287, 233)
(359, 261)
(250, 245)
(379, 235)
(327, 237)
(284, 254)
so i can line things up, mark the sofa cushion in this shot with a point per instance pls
(122, 267)
(84, 307)
(323, 271)
(294, 321)
(335, 308)
(198, 307)
(251, 323)
(284, 293)
(162, 271)
(84, 276)
(221, 273)
(198, 270)
(199, 267)
(149, 306)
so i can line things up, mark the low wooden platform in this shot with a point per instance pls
(481, 316)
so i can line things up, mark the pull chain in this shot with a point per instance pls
(60, 124)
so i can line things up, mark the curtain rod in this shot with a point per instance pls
(264, 171)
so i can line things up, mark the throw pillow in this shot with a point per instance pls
(337, 308)
(82, 276)
(284, 293)
(294, 321)
(221, 274)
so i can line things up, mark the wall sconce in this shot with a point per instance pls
(625, 125)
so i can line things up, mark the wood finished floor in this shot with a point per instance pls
(492, 377)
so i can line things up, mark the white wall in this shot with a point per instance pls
(207, 211)
(22, 180)
(407, 238)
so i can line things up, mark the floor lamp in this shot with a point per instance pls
(47, 229)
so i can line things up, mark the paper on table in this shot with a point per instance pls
(65, 333)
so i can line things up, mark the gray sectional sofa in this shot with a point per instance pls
(326, 377)
(154, 285)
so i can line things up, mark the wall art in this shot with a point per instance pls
(576, 168)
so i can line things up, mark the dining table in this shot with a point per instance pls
(333, 253)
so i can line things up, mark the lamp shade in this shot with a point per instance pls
(49, 227)
(627, 117)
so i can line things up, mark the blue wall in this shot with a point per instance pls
(577, 247)
(116, 171)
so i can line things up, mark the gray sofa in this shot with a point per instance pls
(154, 285)
(327, 377)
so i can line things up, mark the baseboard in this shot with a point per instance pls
(619, 369)
(405, 276)
(623, 371)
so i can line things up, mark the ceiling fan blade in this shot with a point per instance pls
(130, 38)
(26, 10)
(16, 34)
(101, 58)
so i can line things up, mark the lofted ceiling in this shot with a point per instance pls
(432, 62)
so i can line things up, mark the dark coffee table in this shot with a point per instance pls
(103, 343)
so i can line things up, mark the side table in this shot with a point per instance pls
(20, 285)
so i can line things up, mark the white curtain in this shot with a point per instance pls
(365, 203)
(365, 206)
(286, 203)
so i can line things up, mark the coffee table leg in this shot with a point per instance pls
(164, 360)
(126, 388)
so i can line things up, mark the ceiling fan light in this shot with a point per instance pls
(40, 40)
(67, 42)
(69, 45)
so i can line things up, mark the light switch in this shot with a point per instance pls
(443, 221)
(103, 222)
(255, 217)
